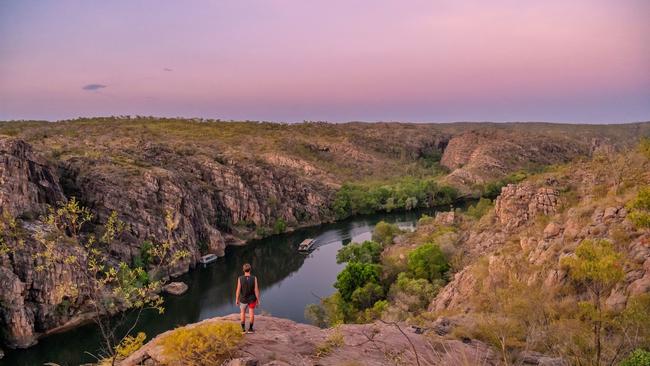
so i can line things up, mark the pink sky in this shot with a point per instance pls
(501, 60)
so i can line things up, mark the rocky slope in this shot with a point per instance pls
(512, 259)
(225, 183)
(544, 220)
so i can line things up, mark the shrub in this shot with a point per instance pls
(640, 209)
(411, 294)
(373, 313)
(331, 311)
(596, 266)
(384, 232)
(366, 296)
(333, 341)
(366, 252)
(638, 357)
(644, 147)
(425, 220)
(427, 261)
(205, 344)
(280, 226)
(355, 275)
(203, 246)
(145, 254)
(480, 208)
(129, 345)
(493, 189)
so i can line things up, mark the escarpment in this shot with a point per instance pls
(213, 204)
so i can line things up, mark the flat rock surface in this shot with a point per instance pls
(284, 342)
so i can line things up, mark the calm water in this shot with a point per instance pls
(288, 282)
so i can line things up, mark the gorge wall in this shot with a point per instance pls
(222, 186)
(213, 204)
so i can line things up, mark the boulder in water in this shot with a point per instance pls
(175, 288)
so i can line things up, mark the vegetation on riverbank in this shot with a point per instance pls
(370, 282)
(406, 194)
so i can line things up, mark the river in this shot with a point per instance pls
(288, 282)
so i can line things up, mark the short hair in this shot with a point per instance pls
(247, 267)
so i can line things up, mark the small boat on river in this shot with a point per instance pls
(207, 259)
(306, 245)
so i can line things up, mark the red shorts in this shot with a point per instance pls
(251, 305)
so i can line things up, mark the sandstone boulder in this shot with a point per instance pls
(518, 204)
(535, 358)
(175, 288)
(446, 218)
(552, 230)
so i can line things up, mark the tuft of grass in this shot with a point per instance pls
(202, 345)
(333, 341)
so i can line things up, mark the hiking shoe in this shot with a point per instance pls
(251, 331)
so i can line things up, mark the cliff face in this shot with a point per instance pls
(214, 204)
(29, 300)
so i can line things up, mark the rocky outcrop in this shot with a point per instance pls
(519, 203)
(483, 155)
(446, 218)
(537, 226)
(283, 342)
(27, 183)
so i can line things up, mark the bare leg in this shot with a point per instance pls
(251, 315)
(242, 314)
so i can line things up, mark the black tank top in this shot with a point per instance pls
(247, 294)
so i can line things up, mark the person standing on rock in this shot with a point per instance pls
(247, 296)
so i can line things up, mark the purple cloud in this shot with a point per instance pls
(93, 87)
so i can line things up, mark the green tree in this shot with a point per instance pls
(640, 209)
(366, 296)
(384, 232)
(356, 275)
(366, 252)
(410, 294)
(480, 208)
(427, 261)
(598, 267)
